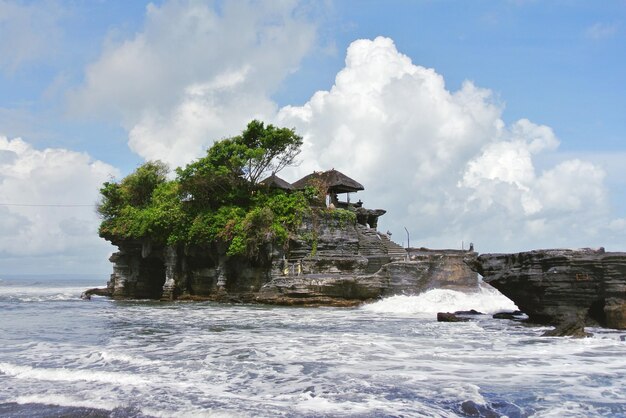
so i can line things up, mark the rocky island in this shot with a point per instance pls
(220, 232)
(227, 228)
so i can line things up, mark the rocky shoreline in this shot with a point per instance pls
(565, 288)
(353, 264)
(344, 264)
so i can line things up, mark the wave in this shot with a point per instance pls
(40, 294)
(63, 400)
(486, 300)
(68, 375)
(124, 358)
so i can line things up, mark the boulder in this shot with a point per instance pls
(470, 312)
(573, 328)
(507, 315)
(450, 317)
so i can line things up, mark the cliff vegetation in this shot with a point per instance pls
(215, 200)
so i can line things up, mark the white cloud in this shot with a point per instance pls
(600, 30)
(29, 176)
(444, 163)
(195, 74)
(28, 33)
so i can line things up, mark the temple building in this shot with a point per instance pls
(334, 183)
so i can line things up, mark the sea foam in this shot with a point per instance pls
(486, 300)
(69, 375)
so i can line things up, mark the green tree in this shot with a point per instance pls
(236, 164)
(215, 179)
(269, 149)
(213, 199)
(134, 190)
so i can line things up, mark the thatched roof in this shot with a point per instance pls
(276, 182)
(336, 181)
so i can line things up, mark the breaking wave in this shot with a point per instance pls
(486, 300)
(68, 375)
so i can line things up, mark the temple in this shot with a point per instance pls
(333, 183)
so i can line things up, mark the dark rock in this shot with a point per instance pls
(473, 409)
(573, 328)
(450, 317)
(98, 291)
(470, 312)
(552, 286)
(507, 315)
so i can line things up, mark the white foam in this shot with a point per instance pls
(42, 294)
(569, 409)
(124, 358)
(64, 400)
(68, 375)
(486, 300)
(192, 413)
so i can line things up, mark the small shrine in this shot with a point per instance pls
(335, 183)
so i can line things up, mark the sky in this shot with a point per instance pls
(497, 122)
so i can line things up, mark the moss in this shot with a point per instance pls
(344, 217)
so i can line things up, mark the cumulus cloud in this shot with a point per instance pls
(28, 33)
(195, 73)
(444, 163)
(36, 178)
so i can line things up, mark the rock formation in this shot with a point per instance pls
(560, 286)
(329, 261)
(450, 317)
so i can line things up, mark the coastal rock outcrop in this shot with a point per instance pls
(560, 286)
(329, 261)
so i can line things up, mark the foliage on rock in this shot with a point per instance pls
(216, 198)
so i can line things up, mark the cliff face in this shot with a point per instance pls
(557, 286)
(328, 261)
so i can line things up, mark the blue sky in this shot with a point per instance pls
(92, 89)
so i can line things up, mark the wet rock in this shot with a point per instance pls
(98, 291)
(473, 409)
(574, 328)
(450, 317)
(507, 315)
(470, 312)
(551, 286)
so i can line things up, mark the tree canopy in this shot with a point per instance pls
(216, 198)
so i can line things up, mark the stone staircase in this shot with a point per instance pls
(396, 252)
(370, 243)
(378, 249)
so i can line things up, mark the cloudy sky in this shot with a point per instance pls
(501, 123)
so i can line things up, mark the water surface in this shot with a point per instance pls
(62, 356)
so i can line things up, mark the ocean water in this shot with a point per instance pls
(62, 356)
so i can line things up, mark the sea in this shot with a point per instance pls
(61, 356)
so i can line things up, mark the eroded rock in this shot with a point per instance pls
(552, 286)
(329, 261)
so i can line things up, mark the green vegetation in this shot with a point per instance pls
(215, 199)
